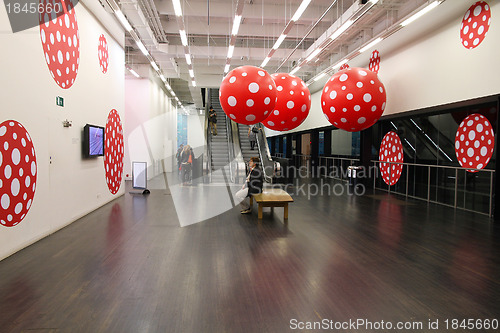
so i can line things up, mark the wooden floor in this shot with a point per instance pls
(130, 267)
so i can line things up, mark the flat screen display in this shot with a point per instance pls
(93, 143)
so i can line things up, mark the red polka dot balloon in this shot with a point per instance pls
(248, 95)
(61, 43)
(113, 152)
(102, 51)
(474, 142)
(374, 65)
(353, 99)
(18, 171)
(292, 105)
(391, 150)
(475, 24)
(344, 66)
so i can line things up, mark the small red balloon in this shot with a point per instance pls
(247, 95)
(391, 150)
(344, 66)
(293, 103)
(353, 99)
(374, 65)
(474, 142)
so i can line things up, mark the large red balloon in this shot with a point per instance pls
(293, 103)
(474, 142)
(248, 95)
(391, 150)
(475, 24)
(353, 99)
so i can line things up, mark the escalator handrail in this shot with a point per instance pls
(266, 159)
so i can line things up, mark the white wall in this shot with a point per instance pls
(151, 129)
(68, 186)
(425, 64)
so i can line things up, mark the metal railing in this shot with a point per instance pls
(445, 185)
(336, 167)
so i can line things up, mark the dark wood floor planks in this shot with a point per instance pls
(129, 267)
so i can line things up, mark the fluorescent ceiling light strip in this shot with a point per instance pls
(314, 54)
(295, 70)
(340, 64)
(300, 10)
(142, 47)
(374, 1)
(168, 86)
(123, 20)
(420, 13)
(177, 7)
(188, 59)
(279, 41)
(194, 83)
(162, 77)
(191, 73)
(134, 73)
(155, 66)
(230, 51)
(319, 77)
(183, 37)
(264, 63)
(372, 44)
(236, 24)
(342, 28)
(226, 69)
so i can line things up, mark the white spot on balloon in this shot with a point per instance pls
(367, 97)
(333, 94)
(267, 100)
(250, 117)
(250, 103)
(232, 79)
(361, 120)
(279, 88)
(470, 152)
(343, 77)
(290, 104)
(231, 101)
(5, 201)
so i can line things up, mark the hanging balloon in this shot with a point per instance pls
(292, 105)
(344, 66)
(247, 95)
(474, 142)
(391, 150)
(353, 99)
(374, 65)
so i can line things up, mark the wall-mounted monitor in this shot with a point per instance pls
(93, 141)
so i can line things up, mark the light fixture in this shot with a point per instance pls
(155, 66)
(191, 73)
(177, 7)
(230, 51)
(264, 63)
(236, 24)
(425, 10)
(194, 83)
(340, 64)
(183, 37)
(295, 70)
(134, 73)
(162, 77)
(188, 58)
(314, 54)
(370, 45)
(123, 20)
(279, 41)
(300, 10)
(374, 1)
(142, 47)
(319, 77)
(342, 28)
(226, 69)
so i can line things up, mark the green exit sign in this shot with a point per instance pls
(59, 101)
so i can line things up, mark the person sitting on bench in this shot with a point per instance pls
(253, 184)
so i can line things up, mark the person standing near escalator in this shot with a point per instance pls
(212, 119)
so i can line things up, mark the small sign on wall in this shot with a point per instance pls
(60, 101)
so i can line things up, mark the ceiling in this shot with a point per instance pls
(208, 25)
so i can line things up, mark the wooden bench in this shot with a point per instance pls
(272, 198)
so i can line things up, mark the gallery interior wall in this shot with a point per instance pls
(67, 186)
(422, 69)
(150, 131)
